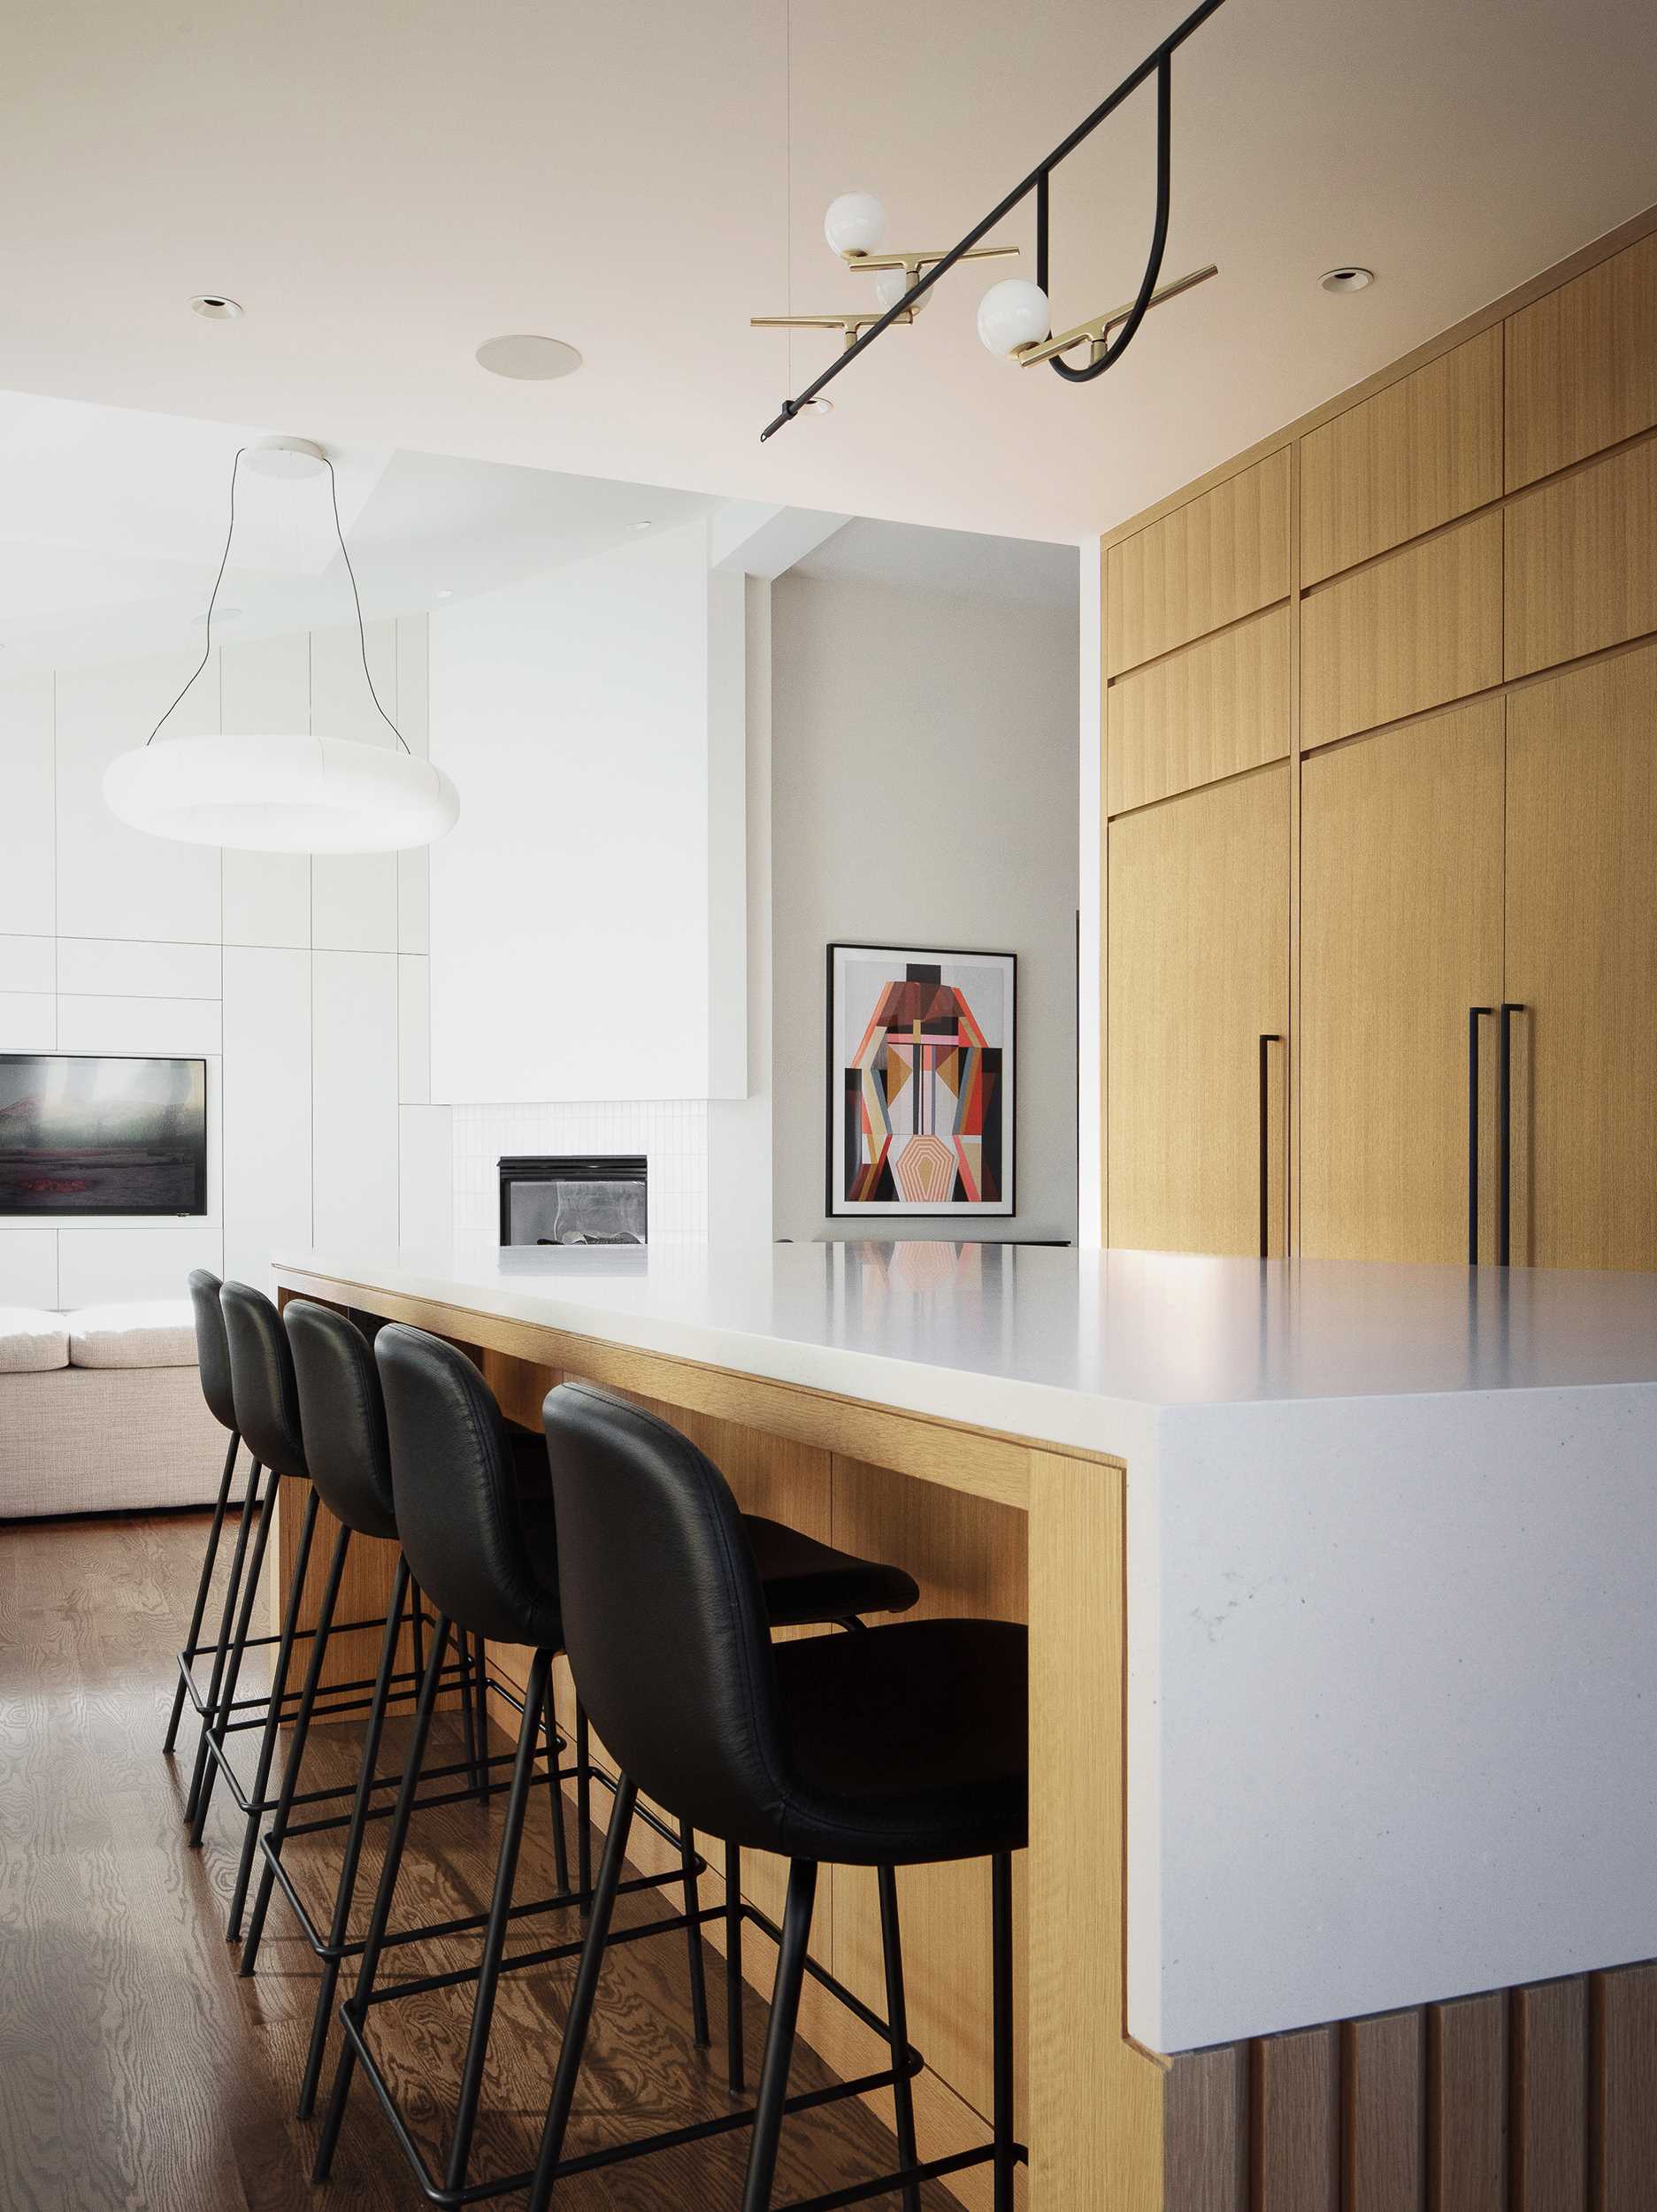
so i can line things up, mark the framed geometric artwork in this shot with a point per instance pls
(921, 1081)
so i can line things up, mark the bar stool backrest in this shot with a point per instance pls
(212, 1354)
(341, 1417)
(664, 1617)
(458, 1518)
(262, 1379)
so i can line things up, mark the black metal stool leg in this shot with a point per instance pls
(481, 1689)
(785, 2014)
(897, 2018)
(495, 1934)
(274, 1715)
(233, 1591)
(692, 1933)
(356, 2005)
(225, 1709)
(296, 1749)
(192, 1641)
(468, 1713)
(735, 2064)
(1002, 2016)
(583, 1806)
(555, 1788)
(580, 2012)
(345, 1894)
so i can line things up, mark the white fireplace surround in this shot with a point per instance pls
(672, 1134)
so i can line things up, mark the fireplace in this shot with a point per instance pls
(575, 1198)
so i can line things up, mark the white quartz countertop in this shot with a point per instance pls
(1392, 1534)
(1059, 1345)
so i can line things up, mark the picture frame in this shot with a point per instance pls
(922, 1098)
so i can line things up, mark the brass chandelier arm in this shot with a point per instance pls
(848, 325)
(1155, 63)
(912, 263)
(1098, 329)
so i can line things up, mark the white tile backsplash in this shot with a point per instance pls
(672, 1134)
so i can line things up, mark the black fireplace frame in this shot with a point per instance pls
(569, 1167)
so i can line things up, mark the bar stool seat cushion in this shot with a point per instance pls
(34, 1341)
(807, 1581)
(151, 1333)
(885, 1768)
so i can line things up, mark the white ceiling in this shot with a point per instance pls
(905, 556)
(112, 521)
(385, 184)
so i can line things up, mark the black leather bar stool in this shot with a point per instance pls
(212, 1359)
(905, 1746)
(342, 1421)
(488, 1562)
(265, 1395)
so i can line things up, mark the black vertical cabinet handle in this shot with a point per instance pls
(1266, 1042)
(1504, 1033)
(1473, 1015)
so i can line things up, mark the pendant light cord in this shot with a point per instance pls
(361, 634)
(207, 649)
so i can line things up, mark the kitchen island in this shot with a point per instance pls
(1344, 1676)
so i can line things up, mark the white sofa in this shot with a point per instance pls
(102, 1412)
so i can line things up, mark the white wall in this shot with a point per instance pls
(923, 791)
(303, 982)
(588, 924)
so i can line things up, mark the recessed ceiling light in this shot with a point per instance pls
(217, 307)
(536, 359)
(1351, 278)
(818, 407)
(645, 523)
(221, 614)
(444, 591)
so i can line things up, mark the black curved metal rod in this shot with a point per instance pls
(1157, 60)
(1123, 338)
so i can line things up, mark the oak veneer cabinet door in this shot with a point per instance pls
(1582, 960)
(1400, 933)
(1199, 970)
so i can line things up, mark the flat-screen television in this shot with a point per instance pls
(83, 1135)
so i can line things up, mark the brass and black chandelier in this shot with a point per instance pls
(1015, 318)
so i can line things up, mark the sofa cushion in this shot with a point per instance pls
(32, 1340)
(153, 1332)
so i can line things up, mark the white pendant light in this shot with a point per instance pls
(282, 793)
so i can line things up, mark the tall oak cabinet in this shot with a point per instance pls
(1380, 783)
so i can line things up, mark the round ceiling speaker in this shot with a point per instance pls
(528, 359)
(282, 794)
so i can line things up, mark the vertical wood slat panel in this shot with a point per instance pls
(1205, 2131)
(1549, 2108)
(1211, 710)
(1382, 2081)
(1582, 365)
(1623, 2074)
(1467, 2105)
(1418, 454)
(1221, 556)
(1580, 562)
(1295, 2126)
(1421, 627)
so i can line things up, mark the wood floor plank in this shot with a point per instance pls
(1383, 2085)
(1467, 2078)
(1623, 2072)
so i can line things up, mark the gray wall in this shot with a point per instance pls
(894, 713)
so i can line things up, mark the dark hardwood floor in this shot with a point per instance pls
(138, 2073)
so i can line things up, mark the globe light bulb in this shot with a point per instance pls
(1011, 314)
(891, 286)
(855, 223)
